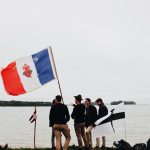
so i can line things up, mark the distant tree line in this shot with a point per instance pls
(32, 103)
(125, 102)
(24, 103)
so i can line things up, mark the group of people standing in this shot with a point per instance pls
(84, 114)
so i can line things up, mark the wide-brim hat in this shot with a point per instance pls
(78, 97)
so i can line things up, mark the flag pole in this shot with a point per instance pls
(56, 73)
(125, 131)
(125, 125)
(35, 131)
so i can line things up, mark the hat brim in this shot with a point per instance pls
(77, 98)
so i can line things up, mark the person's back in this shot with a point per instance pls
(102, 111)
(78, 113)
(59, 115)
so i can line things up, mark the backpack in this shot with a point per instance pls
(122, 145)
(148, 144)
(3, 146)
(140, 146)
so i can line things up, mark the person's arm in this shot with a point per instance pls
(94, 114)
(84, 109)
(51, 116)
(73, 113)
(67, 114)
(49, 113)
(106, 110)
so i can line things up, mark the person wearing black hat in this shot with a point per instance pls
(59, 116)
(102, 111)
(78, 115)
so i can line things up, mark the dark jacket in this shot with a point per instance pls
(91, 115)
(102, 111)
(59, 114)
(78, 113)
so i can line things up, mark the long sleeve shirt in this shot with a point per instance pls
(78, 113)
(91, 115)
(59, 114)
(102, 111)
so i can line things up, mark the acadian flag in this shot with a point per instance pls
(28, 73)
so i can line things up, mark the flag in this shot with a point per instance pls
(33, 117)
(28, 73)
(112, 123)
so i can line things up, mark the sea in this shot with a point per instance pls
(17, 131)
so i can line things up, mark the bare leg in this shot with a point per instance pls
(97, 142)
(103, 141)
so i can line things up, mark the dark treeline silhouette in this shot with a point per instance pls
(125, 102)
(24, 103)
(37, 103)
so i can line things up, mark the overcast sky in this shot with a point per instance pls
(101, 48)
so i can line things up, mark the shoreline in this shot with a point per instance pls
(69, 148)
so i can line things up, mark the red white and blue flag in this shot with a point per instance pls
(28, 73)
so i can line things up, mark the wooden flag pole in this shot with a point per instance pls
(35, 131)
(125, 131)
(125, 123)
(1, 69)
(56, 74)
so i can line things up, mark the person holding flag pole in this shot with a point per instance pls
(59, 116)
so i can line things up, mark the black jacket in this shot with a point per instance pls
(59, 114)
(102, 111)
(78, 113)
(91, 115)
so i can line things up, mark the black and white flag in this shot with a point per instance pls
(33, 117)
(112, 123)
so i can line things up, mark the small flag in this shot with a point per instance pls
(33, 117)
(28, 73)
(113, 123)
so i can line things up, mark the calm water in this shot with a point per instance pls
(17, 131)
